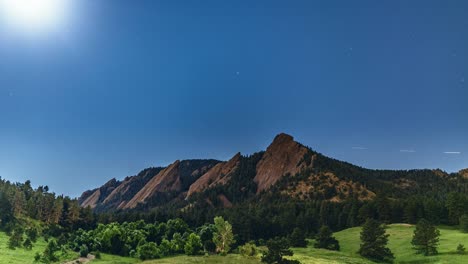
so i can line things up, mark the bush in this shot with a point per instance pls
(148, 251)
(461, 249)
(97, 254)
(27, 244)
(84, 251)
(50, 250)
(32, 234)
(193, 245)
(248, 250)
(37, 257)
(16, 238)
(165, 248)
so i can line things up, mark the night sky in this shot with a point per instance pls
(124, 85)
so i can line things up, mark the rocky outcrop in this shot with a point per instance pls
(284, 156)
(96, 196)
(121, 195)
(176, 178)
(464, 173)
(218, 175)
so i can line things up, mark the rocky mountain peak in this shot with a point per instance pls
(283, 156)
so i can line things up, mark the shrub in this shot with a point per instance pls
(37, 257)
(461, 249)
(165, 248)
(193, 245)
(84, 251)
(248, 250)
(50, 250)
(27, 244)
(148, 251)
(16, 238)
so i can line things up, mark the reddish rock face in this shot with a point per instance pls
(92, 200)
(283, 156)
(219, 174)
(167, 180)
(464, 173)
(94, 197)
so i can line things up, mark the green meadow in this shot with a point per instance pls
(23, 256)
(399, 243)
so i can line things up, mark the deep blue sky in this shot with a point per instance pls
(132, 84)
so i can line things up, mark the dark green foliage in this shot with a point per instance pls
(165, 248)
(277, 249)
(461, 249)
(37, 257)
(84, 251)
(193, 245)
(297, 238)
(27, 244)
(206, 235)
(457, 205)
(49, 254)
(16, 238)
(464, 223)
(6, 210)
(374, 242)
(425, 238)
(32, 234)
(326, 240)
(148, 251)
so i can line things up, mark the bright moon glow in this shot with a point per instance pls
(34, 16)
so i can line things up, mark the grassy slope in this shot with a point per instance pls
(22, 256)
(400, 244)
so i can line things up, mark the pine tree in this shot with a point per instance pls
(297, 238)
(425, 238)
(326, 240)
(277, 249)
(374, 242)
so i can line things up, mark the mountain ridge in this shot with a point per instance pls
(286, 167)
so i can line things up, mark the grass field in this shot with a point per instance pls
(400, 238)
(399, 243)
(22, 256)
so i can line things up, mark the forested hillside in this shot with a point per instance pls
(292, 186)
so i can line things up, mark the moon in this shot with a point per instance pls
(34, 16)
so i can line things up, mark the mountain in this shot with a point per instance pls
(150, 183)
(286, 169)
